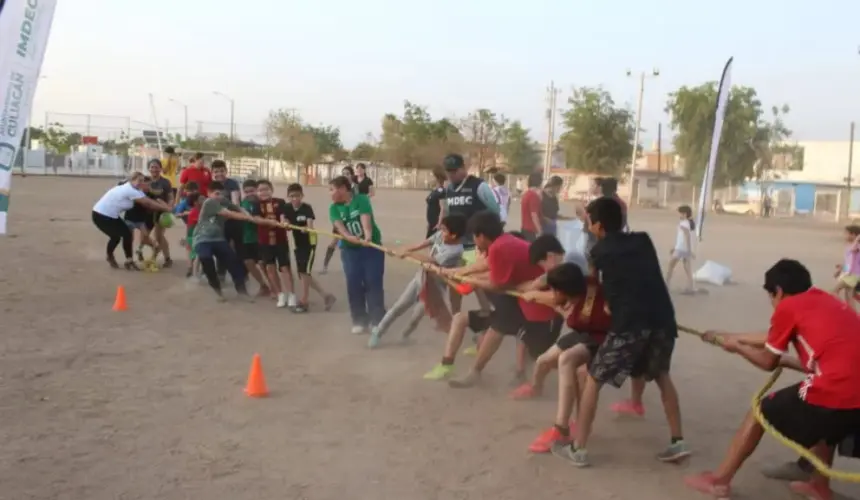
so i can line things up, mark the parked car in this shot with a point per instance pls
(738, 207)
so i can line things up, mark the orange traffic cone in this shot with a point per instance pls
(119, 304)
(256, 387)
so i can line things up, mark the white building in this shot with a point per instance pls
(825, 162)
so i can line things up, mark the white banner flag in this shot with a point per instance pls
(708, 179)
(24, 29)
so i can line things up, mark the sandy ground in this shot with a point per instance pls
(148, 404)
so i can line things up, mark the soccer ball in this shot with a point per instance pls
(166, 220)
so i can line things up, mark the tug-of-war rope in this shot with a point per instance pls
(820, 466)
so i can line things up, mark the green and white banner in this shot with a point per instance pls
(24, 29)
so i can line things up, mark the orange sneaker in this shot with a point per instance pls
(524, 391)
(545, 440)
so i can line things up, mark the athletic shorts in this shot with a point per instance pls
(640, 354)
(479, 321)
(250, 251)
(305, 258)
(277, 254)
(574, 337)
(135, 225)
(507, 318)
(151, 220)
(807, 424)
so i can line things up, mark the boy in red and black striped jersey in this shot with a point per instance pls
(274, 248)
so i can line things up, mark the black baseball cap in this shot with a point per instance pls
(453, 162)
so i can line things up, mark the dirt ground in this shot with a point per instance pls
(148, 404)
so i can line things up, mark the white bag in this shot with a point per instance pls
(569, 233)
(713, 273)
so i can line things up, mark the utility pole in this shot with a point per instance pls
(232, 114)
(185, 109)
(654, 73)
(551, 101)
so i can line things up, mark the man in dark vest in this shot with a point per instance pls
(466, 195)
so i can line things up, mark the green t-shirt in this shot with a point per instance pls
(210, 227)
(350, 214)
(249, 231)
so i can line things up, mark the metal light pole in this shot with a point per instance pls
(551, 108)
(185, 108)
(232, 113)
(654, 73)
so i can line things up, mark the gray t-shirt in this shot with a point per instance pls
(210, 227)
(446, 255)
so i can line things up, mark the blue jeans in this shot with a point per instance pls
(208, 251)
(364, 269)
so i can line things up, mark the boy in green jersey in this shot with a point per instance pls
(250, 250)
(364, 267)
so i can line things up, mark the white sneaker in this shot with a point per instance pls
(292, 301)
(357, 329)
(282, 300)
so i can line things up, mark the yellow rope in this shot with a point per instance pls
(824, 469)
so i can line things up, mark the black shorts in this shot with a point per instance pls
(305, 258)
(479, 321)
(151, 220)
(277, 254)
(250, 251)
(807, 424)
(574, 337)
(507, 318)
(234, 233)
(640, 354)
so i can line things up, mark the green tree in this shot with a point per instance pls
(598, 136)
(518, 149)
(291, 138)
(416, 140)
(483, 132)
(744, 139)
(363, 151)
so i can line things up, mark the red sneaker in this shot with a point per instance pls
(628, 408)
(811, 490)
(525, 391)
(545, 440)
(706, 483)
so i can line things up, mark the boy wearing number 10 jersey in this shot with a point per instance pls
(364, 267)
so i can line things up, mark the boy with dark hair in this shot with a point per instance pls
(210, 242)
(249, 250)
(530, 205)
(301, 214)
(508, 266)
(273, 244)
(446, 250)
(548, 253)
(642, 337)
(816, 413)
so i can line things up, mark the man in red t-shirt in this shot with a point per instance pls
(197, 173)
(530, 207)
(816, 413)
(508, 265)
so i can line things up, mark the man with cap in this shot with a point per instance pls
(465, 195)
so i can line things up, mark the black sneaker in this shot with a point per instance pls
(139, 254)
(301, 308)
(112, 261)
(189, 273)
(168, 263)
(131, 266)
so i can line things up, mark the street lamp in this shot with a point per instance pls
(653, 74)
(184, 107)
(232, 113)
